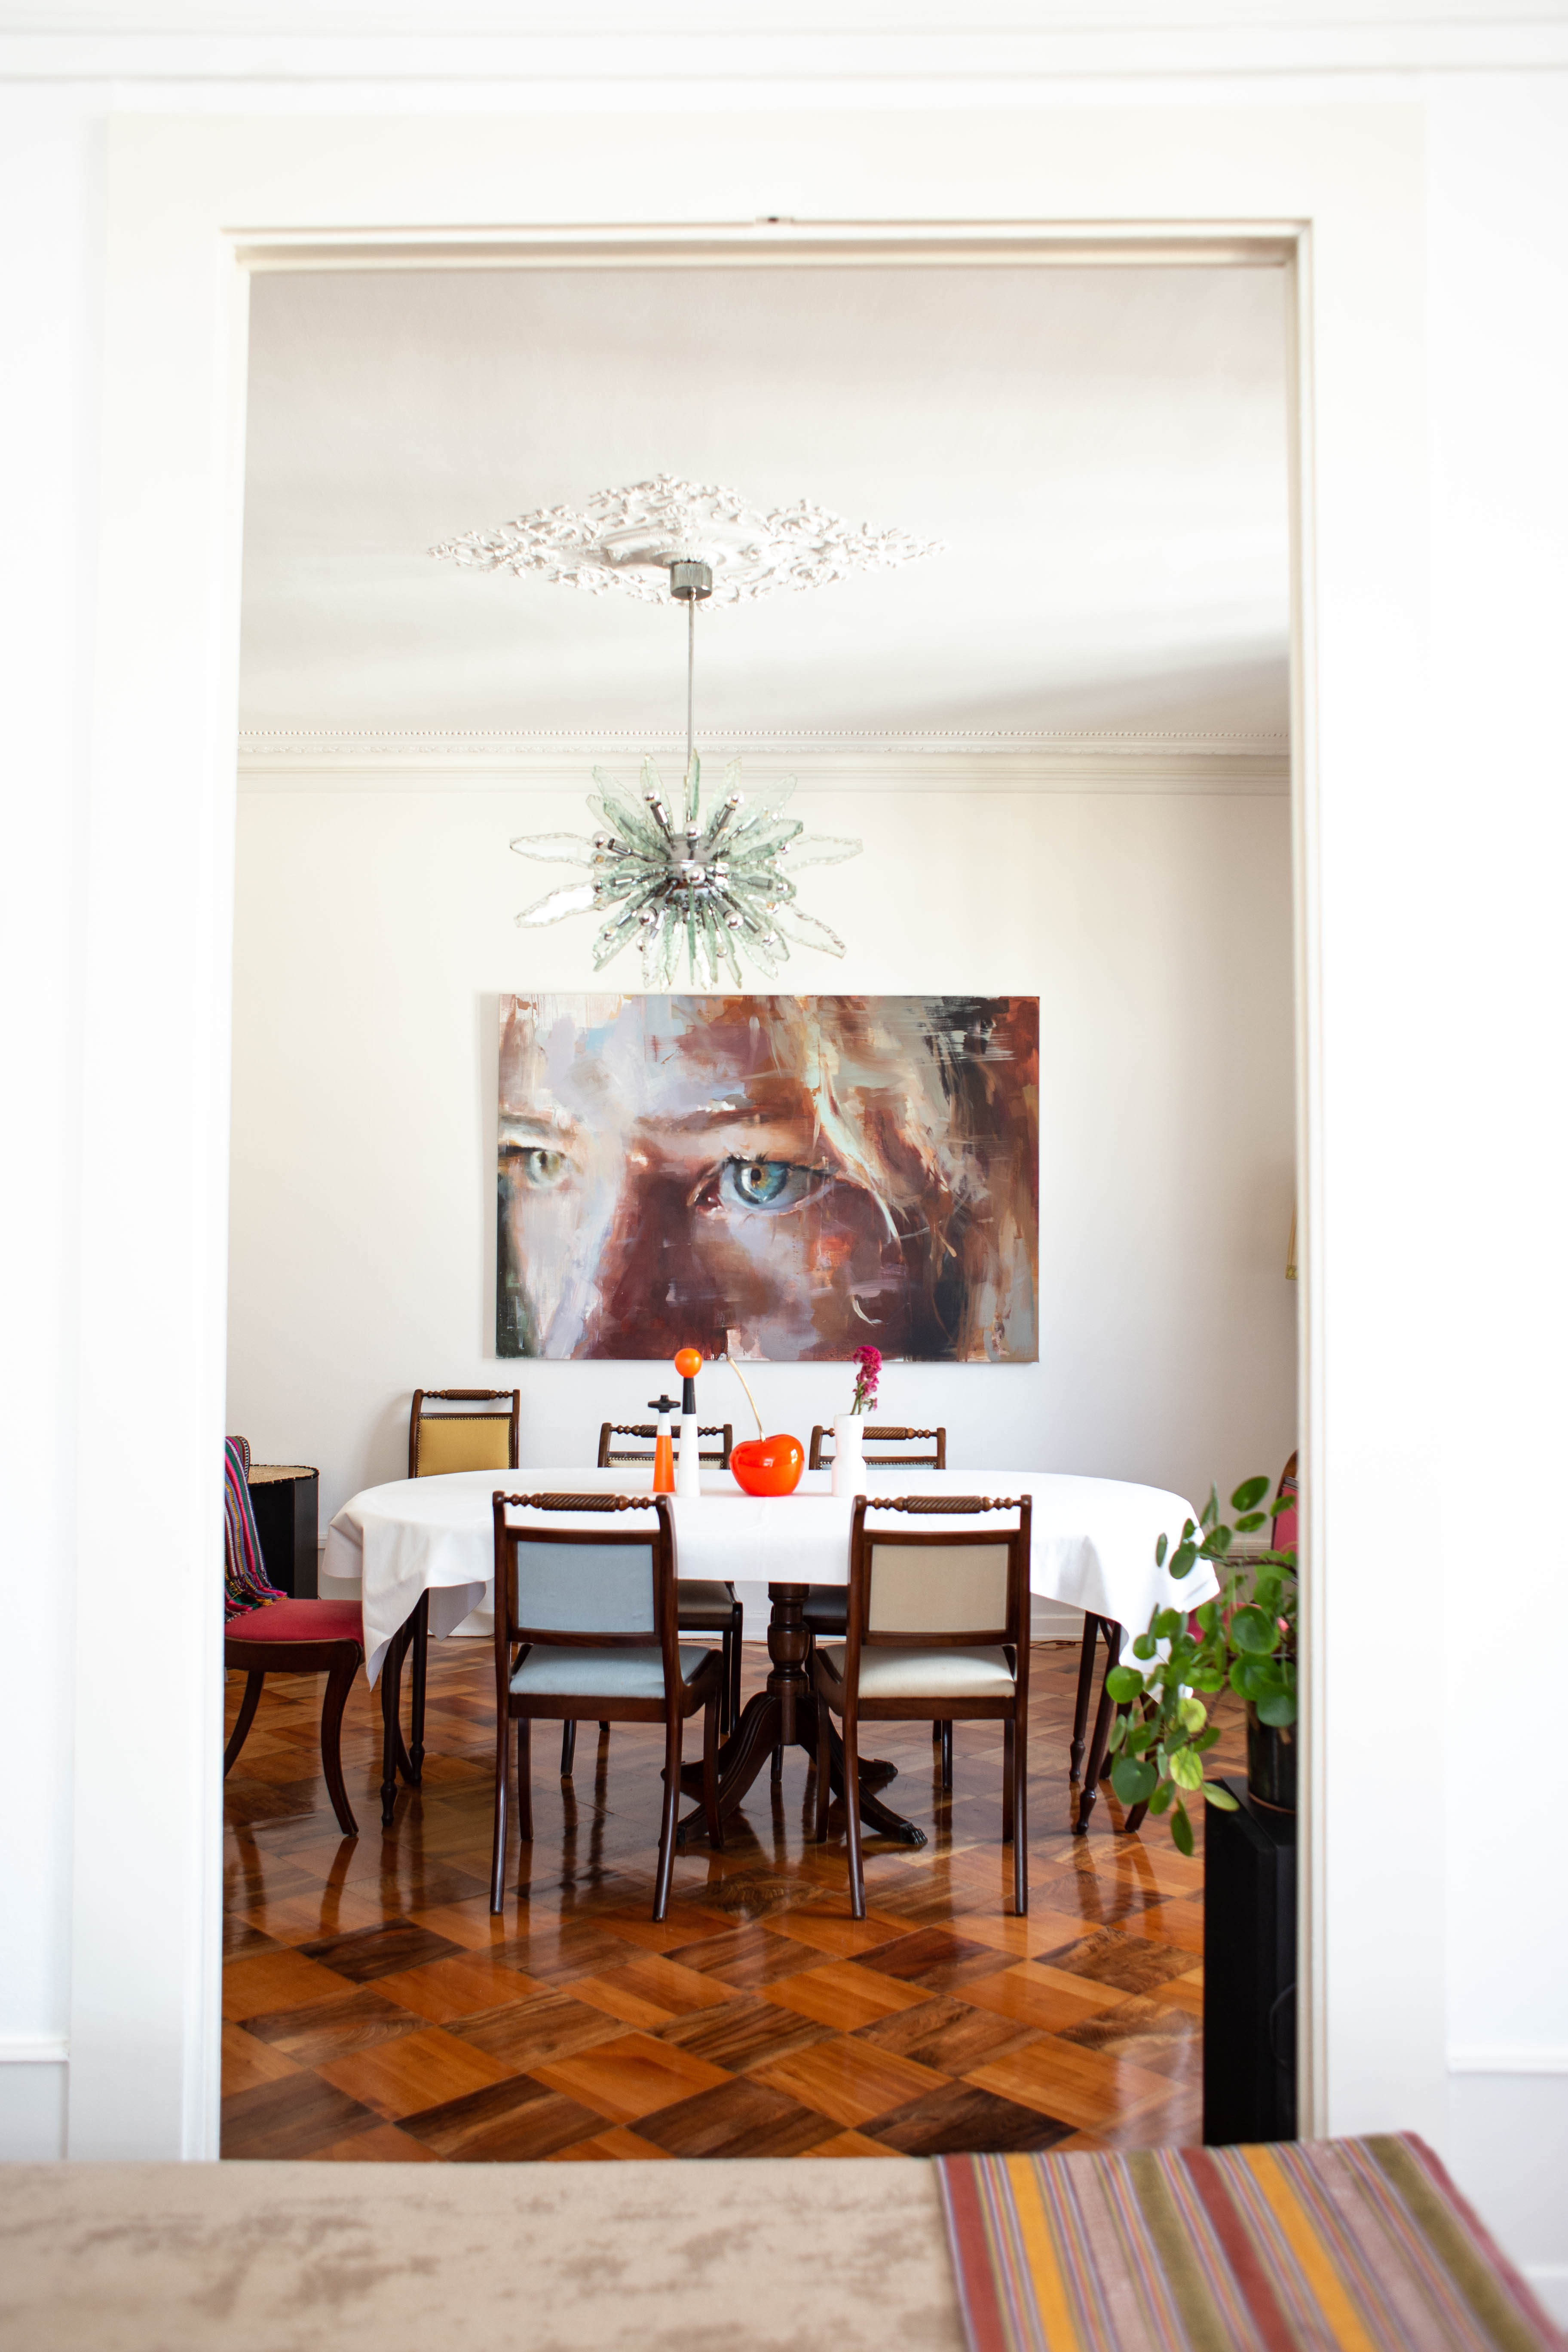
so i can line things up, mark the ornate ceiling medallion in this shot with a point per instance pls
(629, 539)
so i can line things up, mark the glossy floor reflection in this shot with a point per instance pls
(374, 2010)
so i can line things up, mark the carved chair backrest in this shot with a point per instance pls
(611, 1457)
(584, 1588)
(445, 1441)
(885, 1434)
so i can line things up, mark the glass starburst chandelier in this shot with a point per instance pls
(672, 881)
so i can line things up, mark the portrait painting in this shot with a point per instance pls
(771, 1178)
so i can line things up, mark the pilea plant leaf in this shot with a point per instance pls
(1243, 1639)
(1132, 1780)
(1252, 1631)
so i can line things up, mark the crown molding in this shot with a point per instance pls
(969, 761)
(956, 63)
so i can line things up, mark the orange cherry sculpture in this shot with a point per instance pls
(768, 1466)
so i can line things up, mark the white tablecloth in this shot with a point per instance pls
(1093, 1539)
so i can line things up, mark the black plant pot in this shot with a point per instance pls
(1271, 1763)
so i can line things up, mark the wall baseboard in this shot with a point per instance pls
(1510, 2058)
(1549, 2281)
(32, 2079)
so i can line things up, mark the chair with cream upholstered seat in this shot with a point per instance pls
(937, 1631)
(893, 1448)
(586, 1625)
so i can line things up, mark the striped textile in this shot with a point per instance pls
(245, 1584)
(1294, 2247)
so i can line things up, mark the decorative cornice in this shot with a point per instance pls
(967, 759)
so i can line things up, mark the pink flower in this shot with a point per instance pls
(867, 1362)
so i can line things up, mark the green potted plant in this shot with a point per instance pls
(1243, 1640)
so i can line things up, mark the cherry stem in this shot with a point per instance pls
(751, 1400)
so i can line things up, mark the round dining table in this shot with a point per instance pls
(422, 1552)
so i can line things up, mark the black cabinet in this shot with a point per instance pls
(1249, 1973)
(283, 1497)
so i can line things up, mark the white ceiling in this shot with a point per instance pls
(1101, 450)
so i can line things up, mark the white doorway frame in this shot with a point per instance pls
(1334, 197)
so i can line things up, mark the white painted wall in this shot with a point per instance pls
(1439, 506)
(45, 621)
(374, 932)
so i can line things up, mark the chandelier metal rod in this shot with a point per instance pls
(690, 580)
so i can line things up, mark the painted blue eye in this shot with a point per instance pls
(541, 1171)
(771, 1184)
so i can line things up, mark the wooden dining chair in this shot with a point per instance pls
(585, 1626)
(707, 1605)
(483, 1433)
(444, 1441)
(824, 1603)
(938, 1628)
(895, 1442)
(268, 1633)
(1099, 1629)
(614, 1457)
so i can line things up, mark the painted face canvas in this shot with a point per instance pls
(781, 1177)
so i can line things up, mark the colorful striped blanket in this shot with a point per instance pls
(1302, 2247)
(246, 1585)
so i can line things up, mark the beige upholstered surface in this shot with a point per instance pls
(925, 1673)
(463, 1440)
(942, 1588)
(775, 2256)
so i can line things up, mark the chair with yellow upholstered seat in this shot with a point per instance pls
(482, 1439)
(938, 1628)
(471, 1429)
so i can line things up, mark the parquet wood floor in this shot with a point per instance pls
(374, 2010)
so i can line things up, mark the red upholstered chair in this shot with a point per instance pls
(266, 1632)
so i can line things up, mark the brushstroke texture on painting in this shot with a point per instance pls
(770, 1177)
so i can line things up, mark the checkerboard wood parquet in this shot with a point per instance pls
(374, 2008)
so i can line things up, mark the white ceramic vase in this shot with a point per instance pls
(849, 1461)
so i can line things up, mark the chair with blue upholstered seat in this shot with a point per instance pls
(587, 1626)
(937, 1630)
